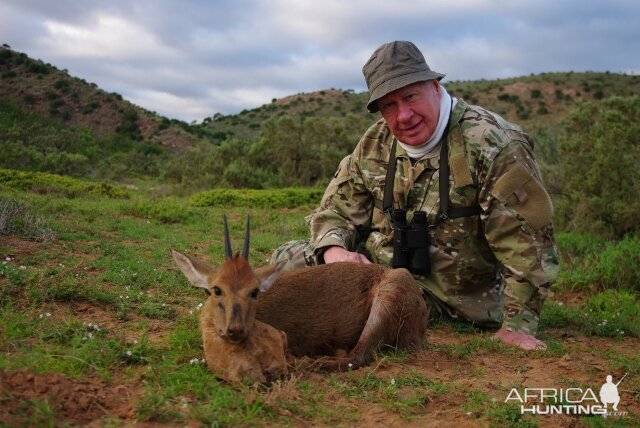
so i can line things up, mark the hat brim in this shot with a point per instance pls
(399, 82)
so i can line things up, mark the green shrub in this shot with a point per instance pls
(45, 183)
(599, 154)
(164, 211)
(92, 106)
(129, 125)
(598, 266)
(579, 245)
(276, 198)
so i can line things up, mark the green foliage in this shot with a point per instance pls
(510, 416)
(599, 154)
(391, 392)
(32, 142)
(579, 245)
(52, 183)
(164, 211)
(600, 266)
(129, 125)
(280, 198)
(611, 313)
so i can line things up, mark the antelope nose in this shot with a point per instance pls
(235, 333)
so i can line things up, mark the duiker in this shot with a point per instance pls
(237, 347)
(339, 312)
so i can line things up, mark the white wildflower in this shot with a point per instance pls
(22, 267)
(393, 381)
(129, 353)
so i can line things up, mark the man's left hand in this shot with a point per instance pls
(523, 340)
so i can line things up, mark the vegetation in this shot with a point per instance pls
(100, 301)
(599, 155)
(89, 297)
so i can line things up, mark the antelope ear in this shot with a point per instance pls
(267, 275)
(197, 272)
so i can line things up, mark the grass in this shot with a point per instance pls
(103, 300)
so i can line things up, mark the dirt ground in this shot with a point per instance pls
(584, 363)
(91, 402)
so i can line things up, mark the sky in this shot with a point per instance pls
(190, 59)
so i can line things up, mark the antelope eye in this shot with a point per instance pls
(254, 293)
(217, 291)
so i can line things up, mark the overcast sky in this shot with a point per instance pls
(189, 59)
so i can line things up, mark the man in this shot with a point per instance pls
(491, 253)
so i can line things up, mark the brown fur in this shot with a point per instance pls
(359, 307)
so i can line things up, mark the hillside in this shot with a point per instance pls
(294, 141)
(39, 87)
(534, 101)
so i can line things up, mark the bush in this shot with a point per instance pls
(129, 125)
(598, 266)
(277, 198)
(17, 220)
(599, 155)
(46, 183)
(165, 211)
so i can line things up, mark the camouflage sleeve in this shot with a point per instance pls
(345, 210)
(518, 229)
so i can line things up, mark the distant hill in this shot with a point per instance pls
(39, 87)
(534, 101)
(297, 140)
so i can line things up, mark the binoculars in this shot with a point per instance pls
(411, 242)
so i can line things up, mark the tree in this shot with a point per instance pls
(599, 157)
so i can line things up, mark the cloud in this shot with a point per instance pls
(191, 59)
(104, 37)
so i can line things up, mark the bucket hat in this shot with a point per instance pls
(393, 66)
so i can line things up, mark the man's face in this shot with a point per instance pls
(412, 112)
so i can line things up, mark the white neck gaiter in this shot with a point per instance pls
(447, 103)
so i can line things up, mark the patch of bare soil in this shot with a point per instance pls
(76, 402)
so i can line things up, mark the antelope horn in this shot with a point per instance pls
(245, 249)
(227, 241)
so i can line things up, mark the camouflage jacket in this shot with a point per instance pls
(493, 268)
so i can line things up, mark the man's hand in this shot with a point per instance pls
(339, 254)
(521, 339)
